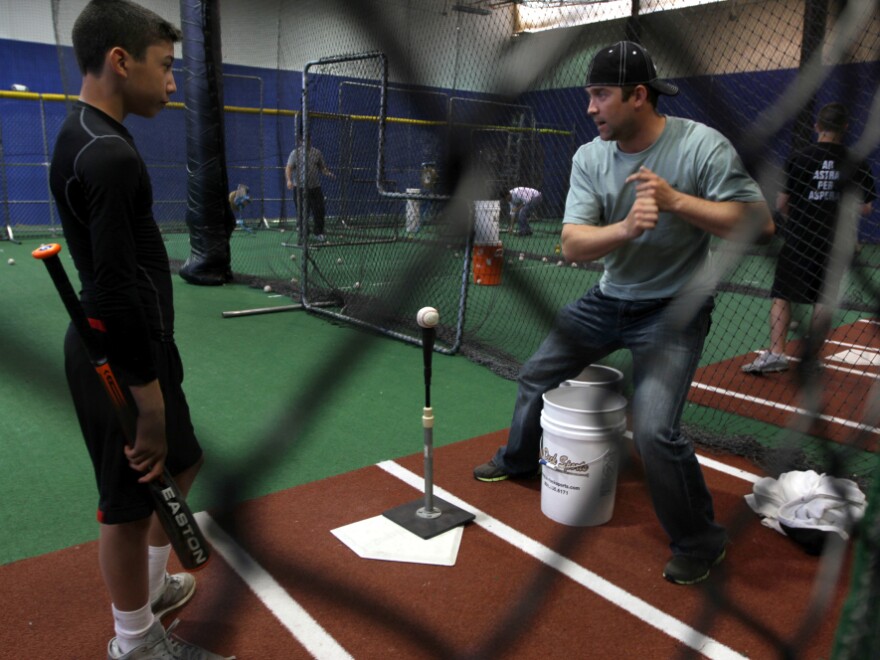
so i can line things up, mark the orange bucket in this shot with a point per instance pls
(487, 261)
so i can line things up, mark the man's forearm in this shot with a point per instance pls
(588, 243)
(722, 218)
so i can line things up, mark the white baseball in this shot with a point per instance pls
(267, 288)
(11, 261)
(428, 317)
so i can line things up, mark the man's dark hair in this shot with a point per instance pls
(105, 24)
(653, 96)
(833, 117)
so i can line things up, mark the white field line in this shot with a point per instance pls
(321, 645)
(861, 348)
(629, 603)
(860, 373)
(782, 406)
(291, 614)
(720, 467)
(851, 345)
(727, 469)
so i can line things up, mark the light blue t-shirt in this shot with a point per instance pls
(693, 159)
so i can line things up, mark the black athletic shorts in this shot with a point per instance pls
(801, 271)
(120, 497)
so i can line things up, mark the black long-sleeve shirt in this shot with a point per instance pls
(105, 200)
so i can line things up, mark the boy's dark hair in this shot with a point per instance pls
(104, 24)
(833, 117)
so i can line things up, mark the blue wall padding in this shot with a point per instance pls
(727, 102)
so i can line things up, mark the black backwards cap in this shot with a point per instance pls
(626, 63)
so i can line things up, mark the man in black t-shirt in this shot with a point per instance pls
(817, 178)
(104, 197)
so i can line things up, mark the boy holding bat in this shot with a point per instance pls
(104, 197)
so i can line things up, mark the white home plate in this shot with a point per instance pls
(864, 357)
(381, 538)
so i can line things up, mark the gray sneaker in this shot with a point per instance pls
(690, 570)
(490, 472)
(179, 588)
(766, 363)
(160, 644)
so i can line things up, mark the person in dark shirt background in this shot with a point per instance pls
(815, 182)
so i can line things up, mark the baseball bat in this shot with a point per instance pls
(427, 318)
(174, 513)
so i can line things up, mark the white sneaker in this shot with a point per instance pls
(179, 588)
(766, 363)
(160, 644)
(151, 648)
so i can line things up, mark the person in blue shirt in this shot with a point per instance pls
(646, 196)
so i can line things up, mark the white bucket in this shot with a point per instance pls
(580, 454)
(413, 215)
(599, 375)
(486, 218)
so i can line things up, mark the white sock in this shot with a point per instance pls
(157, 563)
(132, 627)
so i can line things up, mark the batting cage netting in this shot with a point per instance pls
(420, 115)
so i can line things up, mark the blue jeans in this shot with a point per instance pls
(525, 212)
(665, 351)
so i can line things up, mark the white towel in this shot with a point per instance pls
(808, 500)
